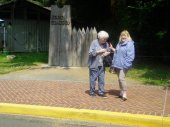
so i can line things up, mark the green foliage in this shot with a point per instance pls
(4, 1)
(148, 23)
(161, 34)
(38, 2)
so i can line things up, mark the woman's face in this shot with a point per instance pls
(102, 40)
(123, 37)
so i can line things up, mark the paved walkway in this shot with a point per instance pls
(69, 88)
(64, 93)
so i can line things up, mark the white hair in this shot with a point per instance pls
(103, 34)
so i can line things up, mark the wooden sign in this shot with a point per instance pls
(60, 37)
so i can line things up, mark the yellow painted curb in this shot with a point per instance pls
(86, 115)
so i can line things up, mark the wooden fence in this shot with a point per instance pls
(26, 36)
(72, 54)
(80, 41)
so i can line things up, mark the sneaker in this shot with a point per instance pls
(121, 94)
(93, 94)
(124, 98)
(103, 95)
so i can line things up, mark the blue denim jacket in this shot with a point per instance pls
(94, 60)
(124, 55)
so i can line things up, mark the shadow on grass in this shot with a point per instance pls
(151, 73)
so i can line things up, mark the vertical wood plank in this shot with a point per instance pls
(74, 47)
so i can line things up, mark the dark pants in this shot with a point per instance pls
(95, 74)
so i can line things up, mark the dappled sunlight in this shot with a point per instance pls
(21, 61)
(151, 74)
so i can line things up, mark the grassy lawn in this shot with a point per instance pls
(149, 73)
(21, 61)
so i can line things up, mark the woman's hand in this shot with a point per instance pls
(113, 49)
(105, 54)
(101, 51)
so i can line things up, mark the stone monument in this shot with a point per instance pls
(60, 37)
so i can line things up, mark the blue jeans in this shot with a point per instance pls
(95, 74)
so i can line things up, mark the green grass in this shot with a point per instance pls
(21, 61)
(150, 73)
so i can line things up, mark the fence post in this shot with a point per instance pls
(74, 47)
(81, 40)
(85, 46)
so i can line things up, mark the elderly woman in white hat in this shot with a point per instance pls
(99, 48)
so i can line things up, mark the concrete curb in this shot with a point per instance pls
(86, 115)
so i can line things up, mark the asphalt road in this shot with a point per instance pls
(29, 121)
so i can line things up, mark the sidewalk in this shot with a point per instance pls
(69, 88)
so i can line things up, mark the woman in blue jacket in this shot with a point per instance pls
(124, 55)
